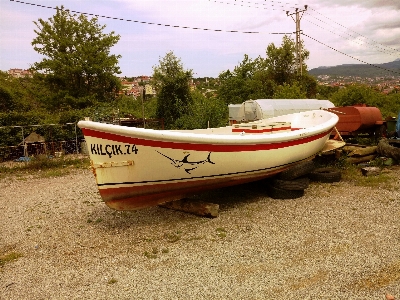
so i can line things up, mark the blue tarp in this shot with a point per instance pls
(23, 159)
(398, 125)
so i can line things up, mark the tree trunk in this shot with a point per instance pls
(363, 151)
(387, 150)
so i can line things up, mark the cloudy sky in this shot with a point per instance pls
(335, 32)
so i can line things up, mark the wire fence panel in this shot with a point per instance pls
(33, 140)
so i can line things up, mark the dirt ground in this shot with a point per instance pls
(60, 241)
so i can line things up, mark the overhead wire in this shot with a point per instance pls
(151, 23)
(357, 40)
(356, 37)
(251, 4)
(227, 31)
(364, 62)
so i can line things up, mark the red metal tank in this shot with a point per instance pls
(357, 119)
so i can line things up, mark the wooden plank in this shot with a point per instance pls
(197, 207)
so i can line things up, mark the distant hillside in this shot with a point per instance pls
(361, 70)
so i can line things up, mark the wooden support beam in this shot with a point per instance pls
(197, 207)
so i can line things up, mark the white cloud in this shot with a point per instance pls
(346, 25)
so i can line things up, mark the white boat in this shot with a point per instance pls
(137, 168)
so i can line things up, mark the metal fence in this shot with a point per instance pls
(18, 142)
(30, 143)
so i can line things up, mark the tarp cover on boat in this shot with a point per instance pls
(251, 110)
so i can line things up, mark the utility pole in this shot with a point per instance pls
(297, 19)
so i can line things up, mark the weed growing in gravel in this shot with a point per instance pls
(221, 232)
(353, 174)
(173, 237)
(12, 256)
(154, 252)
(150, 255)
(112, 281)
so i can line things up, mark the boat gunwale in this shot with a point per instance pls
(205, 138)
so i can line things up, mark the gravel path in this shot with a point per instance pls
(339, 241)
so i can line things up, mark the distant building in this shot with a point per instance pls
(18, 73)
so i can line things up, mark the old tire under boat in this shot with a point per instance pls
(277, 193)
(297, 170)
(325, 175)
(294, 185)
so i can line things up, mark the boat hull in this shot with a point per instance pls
(137, 168)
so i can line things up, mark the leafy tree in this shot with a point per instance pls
(6, 99)
(287, 91)
(281, 61)
(173, 92)
(308, 85)
(129, 106)
(390, 106)
(20, 94)
(356, 94)
(78, 66)
(259, 78)
(204, 112)
(248, 80)
(325, 92)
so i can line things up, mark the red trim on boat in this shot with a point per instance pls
(136, 197)
(198, 146)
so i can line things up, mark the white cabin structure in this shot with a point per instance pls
(252, 110)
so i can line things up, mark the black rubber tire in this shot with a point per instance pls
(277, 193)
(297, 170)
(328, 175)
(293, 185)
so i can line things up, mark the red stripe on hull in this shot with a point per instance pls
(201, 147)
(132, 198)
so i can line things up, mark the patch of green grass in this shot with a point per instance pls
(221, 232)
(152, 254)
(54, 173)
(44, 166)
(9, 257)
(173, 237)
(353, 174)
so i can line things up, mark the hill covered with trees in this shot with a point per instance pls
(360, 70)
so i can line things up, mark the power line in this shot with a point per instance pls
(364, 62)
(251, 4)
(396, 50)
(216, 30)
(150, 23)
(356, 39)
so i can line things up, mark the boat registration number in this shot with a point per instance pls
(113, 150)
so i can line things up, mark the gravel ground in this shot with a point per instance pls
(339, 241)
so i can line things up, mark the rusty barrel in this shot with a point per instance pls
(357, 119)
